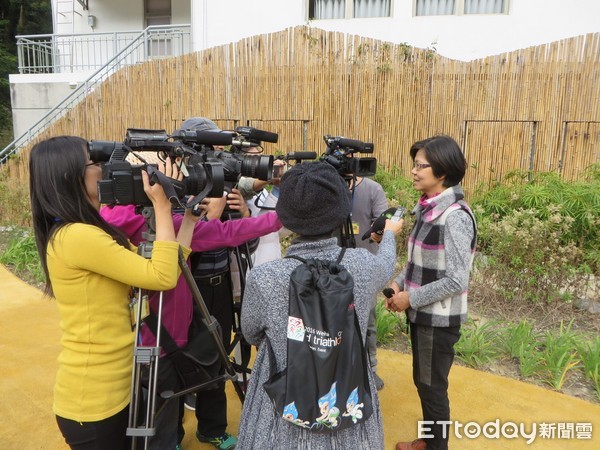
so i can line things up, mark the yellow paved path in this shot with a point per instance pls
(29, 337)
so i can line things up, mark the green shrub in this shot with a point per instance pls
(527, 259)
(22, 256)
(546, 194)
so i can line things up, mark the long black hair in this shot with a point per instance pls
(58, 193)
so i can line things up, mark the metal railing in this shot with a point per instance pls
(56, 53)
(154, 42)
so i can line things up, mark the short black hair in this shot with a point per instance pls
(445, 156)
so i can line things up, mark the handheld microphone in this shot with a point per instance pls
(379, 223)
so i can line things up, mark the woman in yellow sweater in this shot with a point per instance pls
(89, 267)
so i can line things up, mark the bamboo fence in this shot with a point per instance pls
(532, 109)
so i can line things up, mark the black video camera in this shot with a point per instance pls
(122, 184)
(236, 163)
(339, 154)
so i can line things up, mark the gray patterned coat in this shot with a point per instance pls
(265, 311)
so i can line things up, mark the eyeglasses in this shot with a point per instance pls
(92, 163)
(420, 166)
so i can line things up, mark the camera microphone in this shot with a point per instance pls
(205, 137)
(301, 155)
(359, 146)
(256, 135)
(379, 223)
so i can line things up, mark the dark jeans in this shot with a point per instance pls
(107, 434)
(211, 405)
(433, 354)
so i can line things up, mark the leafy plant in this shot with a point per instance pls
(589, 353)
(560, 355)
(387, 323)
(477, 345)
(527, 259)
(531, 360)
(519, 336)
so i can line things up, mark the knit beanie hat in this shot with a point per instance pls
(314, 199)
(198, 124)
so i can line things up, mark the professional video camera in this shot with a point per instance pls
(122, 181)
(339, 154)
(236, 163)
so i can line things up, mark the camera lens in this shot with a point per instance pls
(255, 166)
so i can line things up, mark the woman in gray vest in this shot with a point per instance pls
(432, 288)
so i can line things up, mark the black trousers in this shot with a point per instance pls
(211, 405)
(433, 355)
(107, 434)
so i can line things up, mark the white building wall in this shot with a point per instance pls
(110, 15)
(528, 23)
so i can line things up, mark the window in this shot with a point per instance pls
(484, 6)
(348, 9)
(460, 7)
(371, 8)
(157, 12)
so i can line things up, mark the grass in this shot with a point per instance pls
(477, 345)
(387, 323)
(551, 357)
(589, 353)
(22, 257)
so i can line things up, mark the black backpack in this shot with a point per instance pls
(325, 386)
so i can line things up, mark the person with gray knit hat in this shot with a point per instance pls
(314, 201)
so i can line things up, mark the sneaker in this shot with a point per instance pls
(189, 402)
(225, 442)
(378, 381)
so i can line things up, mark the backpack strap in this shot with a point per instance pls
(339, 259)
(168, 344)
(271, 355)
(295, 257)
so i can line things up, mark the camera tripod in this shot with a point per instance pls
(243, 260)
(149, 357)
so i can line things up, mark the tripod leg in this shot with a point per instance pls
(143, 356)
(211, 323)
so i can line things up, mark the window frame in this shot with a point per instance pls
(349, 11)
(459, 10)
